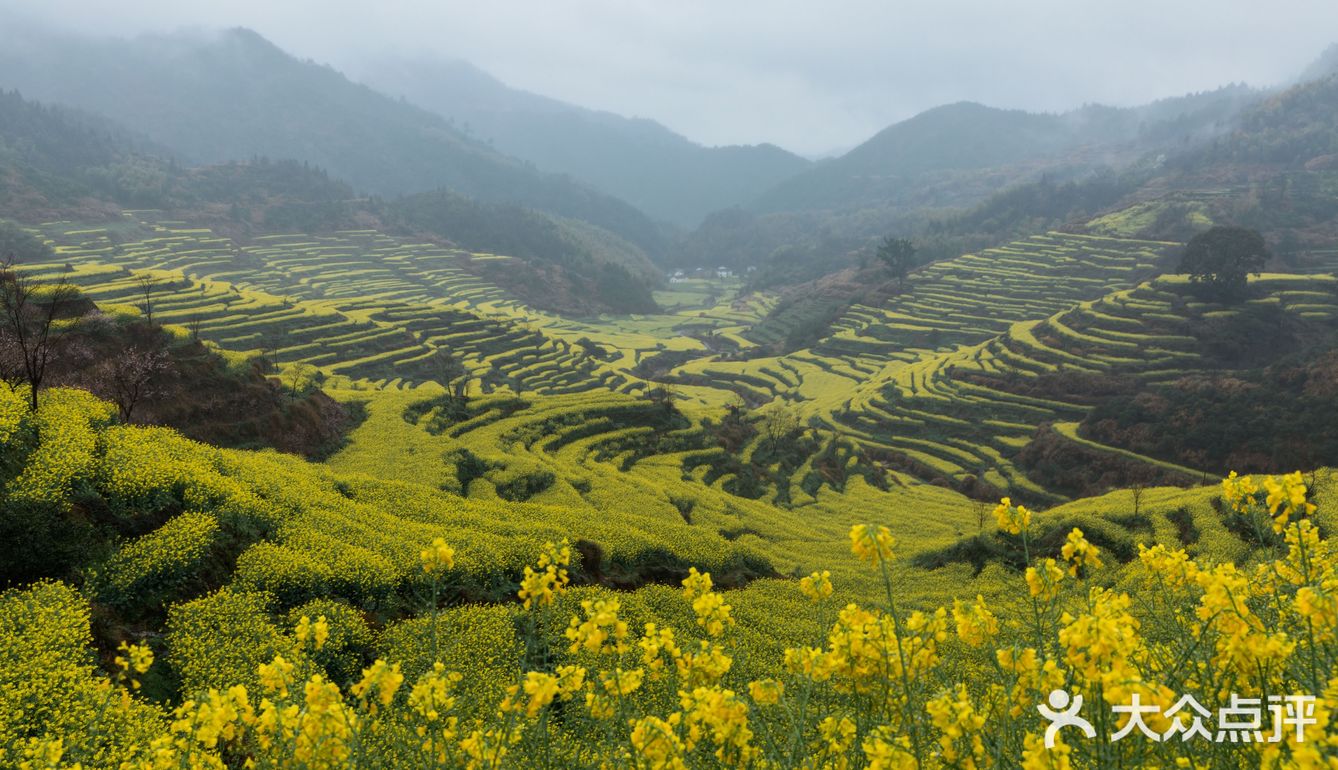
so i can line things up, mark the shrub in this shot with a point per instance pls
(350, 643)
(150, 569)
(219, 640)
(50, 692)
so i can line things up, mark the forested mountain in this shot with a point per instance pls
(53, 156)
(959, 153)
(217, 97)
(638, 160)
(1297, 128)
(61, 163)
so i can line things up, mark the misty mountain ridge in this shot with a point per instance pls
(969, 136)
(918, 161)
(1323, 66)
(213, 97)
(59, 163)
(636, 159)
(216, 97)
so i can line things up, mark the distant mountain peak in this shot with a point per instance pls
(637, 159)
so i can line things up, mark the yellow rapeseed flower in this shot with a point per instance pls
(1079, 553)
(379, 684)
(766, 692)
(1012, 519)
(1043, 579)
(541, 586)
(871, 545)
(696, 584)
(817, 586)
(657, 744)
(976, 625)
(601, 631)
(437, 557)
(712, 613)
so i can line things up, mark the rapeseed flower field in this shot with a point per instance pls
(1076, 660)
(571, 570)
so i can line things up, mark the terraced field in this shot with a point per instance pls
(933, 384)
(372, 311)
(971, 298)
(360, 306)
(966, 413)
(948, 304)
(563, 436)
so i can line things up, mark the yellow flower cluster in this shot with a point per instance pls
(318, 633)
(1080, 554)
(656, 644)
(960, 725)
(721, 716)
(766, 692)
(135, 658)
(878, 686)
(601, 632)
(817, 586)
(884, 750)
(657, 743)
(378, 685)
(431, 704)
(865, 649)
(541, 586)
(437, 557)
(540, 689)
(703, 667)
(1284, 497)
(871, 544)
(1043, 579)
(713, 614)
(1013, 519)
(976, 625)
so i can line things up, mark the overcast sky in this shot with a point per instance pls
(809, 76)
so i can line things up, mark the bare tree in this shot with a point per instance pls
(194, 326)
(663, 397)
(982, 510)
(300, 376)
(1137, 490)
(35, 329)
(451, 374)
(148, 284)
(132, 375)
(1139, 481)
(780, 421)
